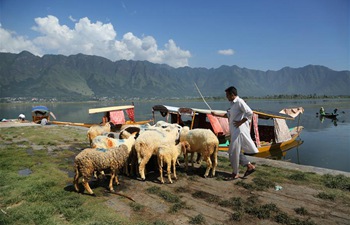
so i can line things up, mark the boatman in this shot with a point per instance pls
(21, 117)
(239, 115)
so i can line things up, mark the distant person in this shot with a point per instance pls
(21, 117)
(239, 115)
(106, 118)
(322, 112)
(43, 122)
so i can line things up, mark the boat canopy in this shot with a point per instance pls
(265, 114)
(40, 108)
(165, 109)
(115, 114)
(40, 112)
(109, 109)
(293, 112)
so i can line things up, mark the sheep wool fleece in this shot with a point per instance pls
(240, 136)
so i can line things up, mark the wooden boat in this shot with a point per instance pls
(329, 115)
(116, 115)
(39, 113)
(113, 114)
(279, 153)
(263, 135)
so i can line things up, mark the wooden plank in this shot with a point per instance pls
(72, 124)
(108, 109)
(273, 115)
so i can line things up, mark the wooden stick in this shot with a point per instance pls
(201, 95)
(117, 193)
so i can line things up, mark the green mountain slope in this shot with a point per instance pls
(83, 76)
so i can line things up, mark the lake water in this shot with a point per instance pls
(326, 143)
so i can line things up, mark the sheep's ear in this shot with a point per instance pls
(135, 134)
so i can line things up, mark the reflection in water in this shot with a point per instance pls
(333, 119)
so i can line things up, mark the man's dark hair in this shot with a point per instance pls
(231, 90)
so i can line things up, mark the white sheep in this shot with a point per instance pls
(149, 141)
(169, 153)
(202, 141)
(105, 142)
(96, 130)
(92, 159)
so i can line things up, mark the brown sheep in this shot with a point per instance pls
(92, 159)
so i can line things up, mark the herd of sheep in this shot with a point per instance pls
(134, 146)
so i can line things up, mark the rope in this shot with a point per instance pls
(202, 95)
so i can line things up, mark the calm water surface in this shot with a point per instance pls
(326, 143)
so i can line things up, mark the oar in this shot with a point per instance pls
(53, 115)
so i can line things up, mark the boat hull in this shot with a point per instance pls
(286, 145)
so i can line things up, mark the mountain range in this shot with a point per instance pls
(84, 76)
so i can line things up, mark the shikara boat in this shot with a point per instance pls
(267, 137)
(116, 115)
(39, 113)
(329, 115)
(112, 114)
(332, 115)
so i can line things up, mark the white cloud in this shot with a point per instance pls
(226, 52)
(11, 42)
(93, 39)
(72, 19)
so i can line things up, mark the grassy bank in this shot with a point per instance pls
(36, 186)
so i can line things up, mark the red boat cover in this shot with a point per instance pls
(117, 117)
(131, 114)
(219, 124)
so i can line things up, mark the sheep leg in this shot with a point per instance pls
(169, 171)
(209, 165)
(174, 169)
(192, 154)
(86, 185)
(76, 180)
(116, 176)
(142, 166)
(160, 165)
(215, 163)
(113, 176)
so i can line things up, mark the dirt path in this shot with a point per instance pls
(203, 202)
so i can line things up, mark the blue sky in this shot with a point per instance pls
(255, 34)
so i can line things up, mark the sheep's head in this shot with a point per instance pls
(185, 147)
(124, 134)
(184, 130)
(134, 135)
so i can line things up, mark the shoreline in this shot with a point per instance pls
(257, 160)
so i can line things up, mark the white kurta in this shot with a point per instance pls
(240, 136)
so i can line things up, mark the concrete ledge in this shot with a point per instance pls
(291, 166)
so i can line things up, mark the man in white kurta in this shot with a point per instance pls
(239, 116)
